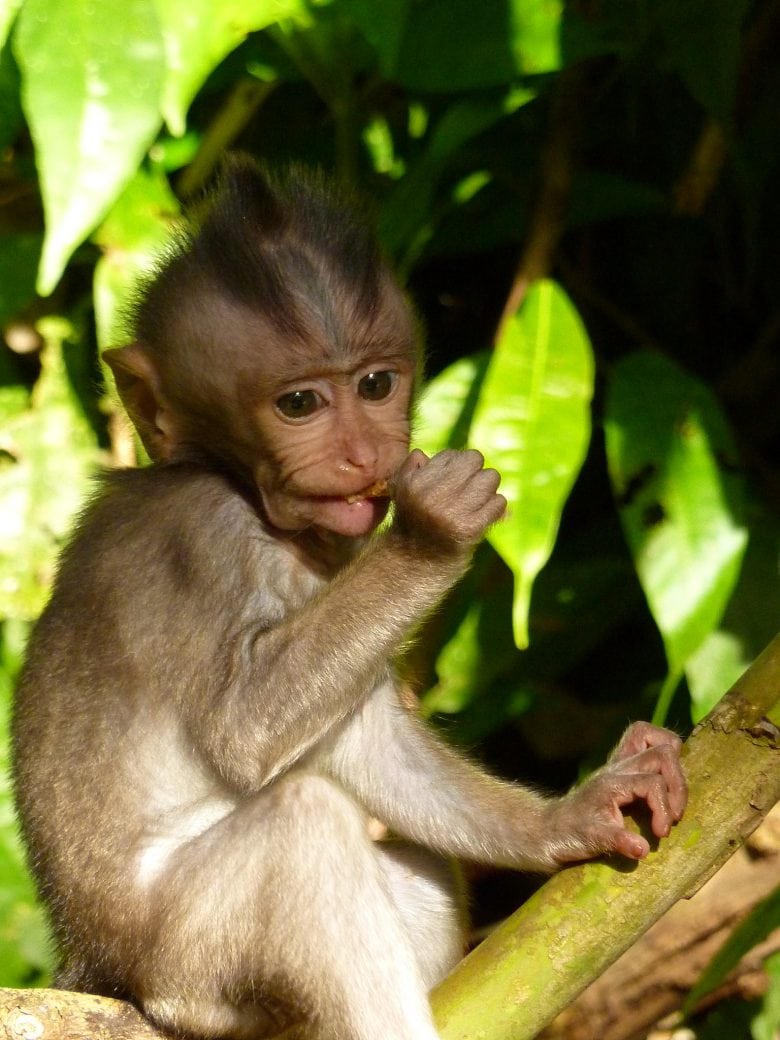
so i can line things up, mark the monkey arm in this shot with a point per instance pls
(286, 686)
(426, 791)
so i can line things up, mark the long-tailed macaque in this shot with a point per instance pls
(209, 714)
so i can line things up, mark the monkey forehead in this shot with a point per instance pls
(335, 337)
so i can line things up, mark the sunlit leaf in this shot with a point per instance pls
(8, 11)
(669, 455)
(750, 620)
(532, 422)
(49, 453)
(198, 34)
(444, 412)
(92, 79)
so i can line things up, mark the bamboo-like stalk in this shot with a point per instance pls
(577, 924)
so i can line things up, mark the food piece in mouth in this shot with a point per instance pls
(379, 489)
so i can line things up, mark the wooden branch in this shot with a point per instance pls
(54, 1014)
(651, 980)
(537, 963)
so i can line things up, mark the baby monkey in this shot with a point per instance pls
(209, 714)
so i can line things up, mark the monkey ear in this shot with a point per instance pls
(138, 382)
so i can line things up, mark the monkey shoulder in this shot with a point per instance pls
(175, 523)
(167, 551)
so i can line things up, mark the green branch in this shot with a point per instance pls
(575, 926)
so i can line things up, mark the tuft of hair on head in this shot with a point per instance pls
(264, 240)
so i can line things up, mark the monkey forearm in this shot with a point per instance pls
(288, 686)
(427, 792)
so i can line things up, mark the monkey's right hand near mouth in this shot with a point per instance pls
(447, 502)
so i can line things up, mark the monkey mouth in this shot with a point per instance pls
(379, 489)
(351, 515)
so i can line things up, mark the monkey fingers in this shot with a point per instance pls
(662, 760)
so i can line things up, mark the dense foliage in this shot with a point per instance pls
(582, 201)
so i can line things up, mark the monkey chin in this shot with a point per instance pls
(352, 519)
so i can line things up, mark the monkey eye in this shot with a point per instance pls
(376, 385)
(299, 404)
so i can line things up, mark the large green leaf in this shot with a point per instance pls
(49, 452)
(8, 11)
(445, 409)
(669, 452)
(532, 422)
(198, 34)
(750, 620)
(92, 80)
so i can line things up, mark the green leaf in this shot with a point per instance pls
(750, 620)
(761, 920)
(407, 217)
(668, 452)
(92, 80)
(8, 11)
(443, 414)
(198, 34)
(50, 452)
(532, 422)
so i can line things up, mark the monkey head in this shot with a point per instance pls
(275, 345)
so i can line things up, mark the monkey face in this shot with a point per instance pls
(332, 437)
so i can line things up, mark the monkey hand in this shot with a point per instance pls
(644, 767)
(447, 502)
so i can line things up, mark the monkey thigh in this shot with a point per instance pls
(429, 893)
(281, 913)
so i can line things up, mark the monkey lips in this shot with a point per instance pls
(354, 515)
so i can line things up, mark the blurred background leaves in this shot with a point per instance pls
(582, 200)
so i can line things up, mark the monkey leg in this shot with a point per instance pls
(429, 893)
(281, 913)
